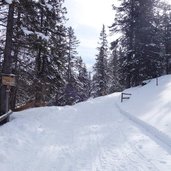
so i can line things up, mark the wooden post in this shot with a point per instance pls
(157, 81)
(127, 96)
(121, 97)
(8, 80)
(7, 99)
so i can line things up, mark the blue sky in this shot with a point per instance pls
(87, 18)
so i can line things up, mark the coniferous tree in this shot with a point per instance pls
(114, 71)
(38, 49)
(163, 20)
(83, 80)
(43, 54)
(139, 41)
(100, 76)
(70, 91)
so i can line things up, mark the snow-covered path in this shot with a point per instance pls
(91, 136)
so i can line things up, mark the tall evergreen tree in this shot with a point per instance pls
(100, 76)
(83, 80)
(115, 76)
(163, 20)
(140, 44)
(70, 91)
(38, 49)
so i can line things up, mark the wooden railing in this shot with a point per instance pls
(5, 116)
(125, 96)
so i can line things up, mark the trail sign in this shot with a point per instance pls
(8, 80)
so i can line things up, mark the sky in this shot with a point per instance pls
(87, 18)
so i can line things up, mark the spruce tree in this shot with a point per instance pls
(115, 76)
(100, 76)
(163, 18)
(140, 44)
(70, 91)
(83, 80)
(38, 50)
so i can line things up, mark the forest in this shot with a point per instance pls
(40, 51)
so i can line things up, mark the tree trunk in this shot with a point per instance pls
(13, 93)
(40, 64)
(7, 63)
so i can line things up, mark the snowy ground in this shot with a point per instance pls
(152, 104)
(98, 135)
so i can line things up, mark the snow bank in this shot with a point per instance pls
(152, 104)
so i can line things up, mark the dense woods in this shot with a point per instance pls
(41, 51)
(142, 51)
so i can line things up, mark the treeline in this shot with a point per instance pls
(38, 47)
(142, 52)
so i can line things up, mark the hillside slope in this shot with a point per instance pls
(152, 104)
(98, 135)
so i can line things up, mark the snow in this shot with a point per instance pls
(9, 1)
(28, 32)
(50, 7)
(151, 103)
(43, 36)
(101, 134)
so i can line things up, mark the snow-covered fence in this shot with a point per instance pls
(125, 96)
(5, 116)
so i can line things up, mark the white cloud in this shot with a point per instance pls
(87, 18)
(94, 12)
(167, 1)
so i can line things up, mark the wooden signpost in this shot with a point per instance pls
(8, 80)
(125, 96)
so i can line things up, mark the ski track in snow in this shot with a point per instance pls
(158, 136)
(91, 136)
